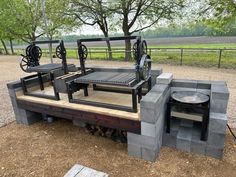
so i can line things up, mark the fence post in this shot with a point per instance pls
(181, 56)
(106, 54)
(220, 55)
(150, 51)
(76, 53)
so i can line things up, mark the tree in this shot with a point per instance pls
(220, 14)
(93, 12)
(138, 15)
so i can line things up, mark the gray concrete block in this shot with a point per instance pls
(148, 115)
(134, 150)
(216, 139)
(217, 122)
(198, 146)
(176, 89)
(164, 78)
(214, 152)
(160, 88)
(218, 105)
(184, 83)
(204, 91)
(169, 139)
(184, 138)
(149, 154)
(219, 92)
(148, 129)
(150, 100)
(186, 123)
(201, 84)
(141, 140)
(218, 82)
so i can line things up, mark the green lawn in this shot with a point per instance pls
(202, 58)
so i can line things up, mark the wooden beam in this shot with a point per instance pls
(89, 117)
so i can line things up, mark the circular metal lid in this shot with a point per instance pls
(190, 97)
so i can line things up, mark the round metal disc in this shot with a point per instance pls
(82, 51)
(145, 67)
(190, 97)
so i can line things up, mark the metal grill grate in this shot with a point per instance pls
(110, 78)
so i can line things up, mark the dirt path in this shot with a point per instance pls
(52, 149)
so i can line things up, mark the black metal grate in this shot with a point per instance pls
(109, 78)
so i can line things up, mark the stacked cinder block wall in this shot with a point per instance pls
(185, 134)
(152, 112)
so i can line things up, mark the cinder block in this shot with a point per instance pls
(216, 139)
(150, 100)
(218, 82)
(177, 89)
(198, 146)
(134, 150)
(214, 152)
(217, 122)
(149, 154)
(148, 129)
(169, 139)
(184, 137)
(186, 123)
(219, 92)
(148, 115)
(204, 91)
(164, 78)
(218, 105)
(141, 140)
(79, 123)
(205, 85)
(160, 88)
(184, 83)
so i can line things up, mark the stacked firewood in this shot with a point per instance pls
(115, 135)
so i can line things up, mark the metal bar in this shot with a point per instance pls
(220, 55)
(168, 118)
(134, 100)
(40, 81)
(104, 105)
(107, 39)
(46, 42)
(51, 97)
(181, 56)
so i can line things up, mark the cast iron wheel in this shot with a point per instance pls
(143, 47)
(24, 63)
(83, 51)
(35, 52)
(135, 50)
(58, 52)
(145, 67)
(27, 50)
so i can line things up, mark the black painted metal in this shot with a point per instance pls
(195, 108)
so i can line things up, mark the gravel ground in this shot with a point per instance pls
(52, 149)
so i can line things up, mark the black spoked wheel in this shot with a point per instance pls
(82, 51)
(36, 52)
(143, 47)
(58, 52)
(24, 63)
(145, 67)
(27, 50)
(135, 50)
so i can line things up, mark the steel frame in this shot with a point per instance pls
(204, 108)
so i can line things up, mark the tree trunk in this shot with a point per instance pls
(108, 46)
(11, 45)
(5, 47)
(125, 29)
